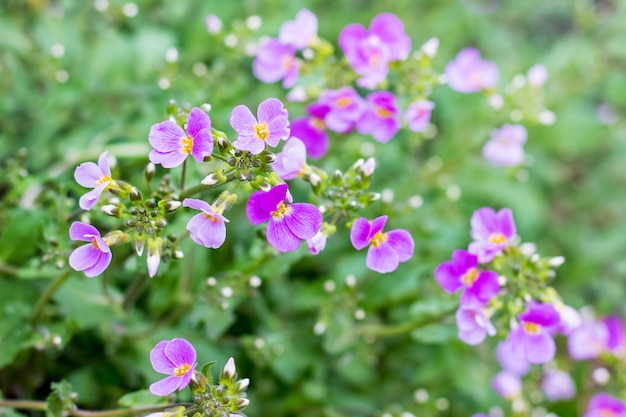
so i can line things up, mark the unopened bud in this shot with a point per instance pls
(153, 257)
(242, 176)
(151, 203)
(368, 167)
(243, 384)
(171, 205)
(149, 172)
(315, 180)
(229, 370)
(135, 194)
(269, 157)
(210, 179)
(178, 254)
(172, 107)
(111, 210)
(556, 261)
(115, 237)
(241, 403)
(358, 164)
(160, 222)
(139, 242)
(430, 47)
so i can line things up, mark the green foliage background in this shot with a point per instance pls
(568, 199)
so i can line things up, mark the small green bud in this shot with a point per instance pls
(242, 403)
(151, 203)
(135, 194)
(160, 222)
(149, 172)
(112, 210)
(171, 205)
(115, 237)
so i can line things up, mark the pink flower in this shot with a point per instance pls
(418, 115)
(291, 162)
(386, 250)
(605, 405)
(311, 130)
(473, 325)
(506, 147)
(207, 228)
(301, 32)
(491, 232)
(275, 61)
(468, 72)
(271, 126)
(533, 338)
(176, 358)
(317, 243)
(93, 176)
(380, 118)
(92, 258)
(507, 385)
(537, 75)
(172, 145)
(345, 107)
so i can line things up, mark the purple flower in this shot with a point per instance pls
(506, 146)
(462, 272)
(418, 114)
(558, 385)
(473, 325)
(369, 52)
(176, 358)
(207, 228)
(92, 258)
(301, 32)
(617, 333)
(275, 61)
(491, 231)
(311, 130)
(533, 337)
(288, 224)
(511, 359)
(345, 107)
(386, 250)
(291, 162)
(272, 126)
(213, 24)
(317, 243)
(537, 75)
(570, 319)
(507, 385)
(468, 73)
(93, 176)
(605, 405)
(588, 340)
(380, 118)
(172, 145)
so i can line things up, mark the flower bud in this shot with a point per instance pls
(172, 107)
(160, 222)
(368, 167)
(115, 237)
(153, 258)
(151, 203)
(242, 384)
(149, 172)
(178, 254)
(139, 242)
(171, 205)
(135, 194)
(112, 210)
(242, 403)
(268, 157)
(229, 370)
(210, 179)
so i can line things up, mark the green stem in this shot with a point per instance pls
(230, 176)
(402, 328)
(77, 412)
(47, 295)
(184, 174)
(8, 269)
(134, 291)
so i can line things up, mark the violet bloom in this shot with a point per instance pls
(288, 224)
(462, 272)
(506, 146)
(94, 176)
(511, 359)
(369, 52)
(558, 385)
(207, 228)
(317, 243)
(269, 128)
(418, 114)
(534, 335)
(301, 32)
(570, 319)
(176, 358)
(172, 145)
(468, 72)
(605, 405)
(588, 340)
(507, 385)
(386, 250)
(345, 107)
(213, 24)
(92, 258)
(537, 75)
(617, 333)
(291, 162)
(473, 325)
(491, 232)
(381, 117)
(275, 61)
(311, 130)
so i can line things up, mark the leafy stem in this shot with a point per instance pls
(77, 412)
(45, 297)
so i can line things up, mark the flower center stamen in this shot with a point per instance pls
(260, 130)
(318, 123)
(378, 239)
(382, 112)
(211, 217)
(497, 238)
(186, 145)
(280, 211)
(470, 276)
(343, 102)
(103, 179)
(182, 369)
(532, 328)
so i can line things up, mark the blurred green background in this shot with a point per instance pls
(81, 77)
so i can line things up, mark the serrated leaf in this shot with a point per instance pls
(206, 370)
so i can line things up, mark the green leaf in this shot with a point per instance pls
(206, 370)
(432, 307)
(435, 334)
(137, 399)
(60, 399)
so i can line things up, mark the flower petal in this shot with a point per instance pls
(271, 109)
(165, 386)
(359, 234)
(165, 137)
(506, 222)
(84, 257)
(447, 276)
(198, 120)
(89, 199)
(242, 120)
(87, 173)
(304, 220)
(103, 164)
(540, 348)
(180, 352)
(83, 231)
(280, 237)
(104, 259)
(196, 204)
(207, 232)
(168, 160)
(483, 223)
(402, 242)
(382, 259)
(160, 362)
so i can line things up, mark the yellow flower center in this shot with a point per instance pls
(182, 369)
(374, 60)
(186, 145)
(344, 102)
(94, 243)
(532, 328)
(384, 113)
(104, 179)
(378, 239)
(260, 130)
(286, 63)
(497, 238)
(212, 218)
(470, 276)
(280, 211)
(607, 413)
(318, 123)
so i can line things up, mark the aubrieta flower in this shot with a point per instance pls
(345, 107)
(386, 249)
(491, 232)
(537, 75)
(506, 146)
(558, 385)
(311, 130)
(381, 116)
(418, 114)
(605, 405)
(301, 32)
(370, 52)
(94, 176)
(207, 228)
(507, 385)
(172, 145)
(570, 318)
(92, 258)
(462, 272)
(317, 243)
(276, 61)
(176, 358)
(588, 340)
(291, 162)
(270, 126)
(288, 224)
(533, 337)
(511, 359)
(473, 325)
(617, 333)
(468, 72)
